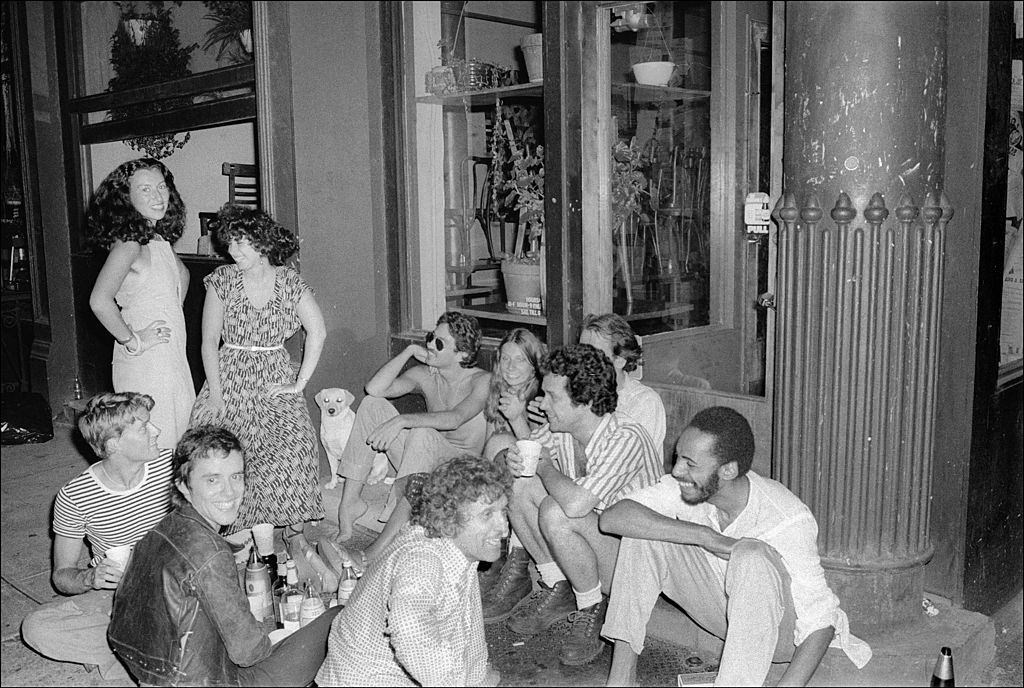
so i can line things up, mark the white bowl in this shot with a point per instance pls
(653, 73)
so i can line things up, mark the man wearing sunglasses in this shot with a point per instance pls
(455, 391)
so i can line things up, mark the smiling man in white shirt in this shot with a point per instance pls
(737, 551)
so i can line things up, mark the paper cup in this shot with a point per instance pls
(279, 634)
(120, 554)
(529, 450)
(263, 534)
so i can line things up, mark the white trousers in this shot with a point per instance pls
(750, 608)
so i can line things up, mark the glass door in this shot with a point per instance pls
(684, 113)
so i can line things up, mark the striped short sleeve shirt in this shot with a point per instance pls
(619, 458)
(86, 508)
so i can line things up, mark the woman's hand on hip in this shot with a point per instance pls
(154, 334)
(277, 390)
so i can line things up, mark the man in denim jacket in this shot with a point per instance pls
(180, 615)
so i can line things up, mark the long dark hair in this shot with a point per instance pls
(112, 217)
(535, 352)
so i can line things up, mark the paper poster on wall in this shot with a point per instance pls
(1011, 330)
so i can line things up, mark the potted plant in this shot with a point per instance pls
(232, 29)
(629, 185)
(159, 57)
(137, 21)
(518, 186)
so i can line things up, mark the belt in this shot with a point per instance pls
(254, 348)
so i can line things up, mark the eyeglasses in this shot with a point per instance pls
(438, 342)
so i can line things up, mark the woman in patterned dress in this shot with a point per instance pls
(251, 388)
(137, 214)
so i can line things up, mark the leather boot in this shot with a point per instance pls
(584, 643)
(543, 608)
(488, 572)
(513, 584)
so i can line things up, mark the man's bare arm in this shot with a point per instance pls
(634, 520)
(807, 657)
(389, 381)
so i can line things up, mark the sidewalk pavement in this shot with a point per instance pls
(31, 474)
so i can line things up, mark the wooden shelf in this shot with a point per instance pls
(218, 97)
(496, 311)
(642, 93)
(487, 96)
(644, 310)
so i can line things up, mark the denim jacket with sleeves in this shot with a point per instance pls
(180, 617)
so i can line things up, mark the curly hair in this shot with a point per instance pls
(107, 415)
(465, 330)
(198, 443)
(535, 350)
(438, 500)
(112, 217)
(734, 440)
(590, 376)
(267, 237)
(616, 330)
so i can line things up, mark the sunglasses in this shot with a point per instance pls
(438, 342)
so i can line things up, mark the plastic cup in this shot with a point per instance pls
(120, 554)
(529, 450)
(263, 534)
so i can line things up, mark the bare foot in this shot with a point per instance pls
(348, 514)
(379, 469)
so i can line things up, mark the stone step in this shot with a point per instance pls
(902, 655)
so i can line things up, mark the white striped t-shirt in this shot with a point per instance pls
(85, 507)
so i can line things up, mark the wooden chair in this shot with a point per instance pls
(243, 183)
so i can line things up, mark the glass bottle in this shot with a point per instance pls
(257, 588)
(347, 583)
(312, 605)
(291, 598)
(279, 586)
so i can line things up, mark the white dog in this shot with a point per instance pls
(336, 418)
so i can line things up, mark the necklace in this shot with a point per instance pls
(110, 478)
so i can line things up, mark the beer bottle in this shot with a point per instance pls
(943, 674)
(347, 583)
(278, 589)
(257, 588)
(312, 605)
(291, 598)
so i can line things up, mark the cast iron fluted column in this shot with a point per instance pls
(859, 301)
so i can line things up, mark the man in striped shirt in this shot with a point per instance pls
(112, 503)
(555, 512)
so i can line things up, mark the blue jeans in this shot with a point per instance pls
(74, 629)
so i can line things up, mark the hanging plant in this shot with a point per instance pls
(232, 29)
(158, 57)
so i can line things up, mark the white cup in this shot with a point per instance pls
(120, 554)
(529, 451)
(263, 534)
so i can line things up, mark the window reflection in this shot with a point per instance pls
(660, 178)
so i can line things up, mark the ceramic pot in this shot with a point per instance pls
(653, 73)
(533, 51)
(137, 29)
(522, 288)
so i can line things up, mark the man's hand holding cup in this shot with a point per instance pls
(524, 457)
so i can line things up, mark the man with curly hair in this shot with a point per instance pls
(555, 512)
(455, 391)
(414, 618)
